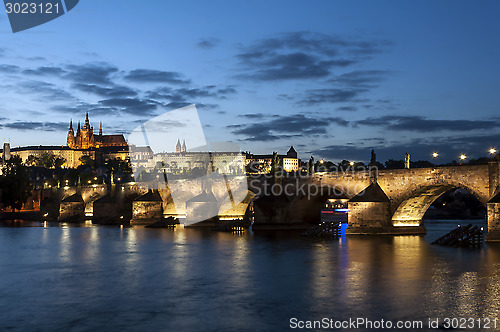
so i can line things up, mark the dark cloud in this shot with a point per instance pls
(303, 55)
(9, 69)
(47, 91)
(208, 43)
(195, 93)
(177, 98)
(284, 67)
(36, 58)
(280, 127)
(361, 79)
(200, 106)
(284, 96)
(91, 73)
(164, 93)
(254, 115)
(45, 71)
(114, 91)
(226, 91)
(346, 108)
(176, 104)
(156, 76)
(37, 126)
(72, 108)
(422, 124)
(319, 96)
(134, 106)
(187, 94)
(351, 86)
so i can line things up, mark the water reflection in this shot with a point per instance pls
(65, 243)
(186, 279)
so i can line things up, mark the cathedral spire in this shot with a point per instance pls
(178, 146)
(87, 124)
(100, 129)
(184, 146)
(70, 141)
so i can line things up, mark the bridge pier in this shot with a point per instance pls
(493, 207)
(147, 209)
(368, 217)
(72, 208)
(370, 213)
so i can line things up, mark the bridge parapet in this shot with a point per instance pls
(401, 184)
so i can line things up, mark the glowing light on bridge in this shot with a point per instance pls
(463, 157)
(403, 223)
(435, 155)
(493, 151)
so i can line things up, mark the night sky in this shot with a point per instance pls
(333, 78)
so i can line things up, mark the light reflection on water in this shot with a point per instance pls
(89, 277)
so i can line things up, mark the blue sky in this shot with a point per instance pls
(333, 78)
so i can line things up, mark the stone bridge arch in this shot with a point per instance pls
(229, 210)
(411, 210)
(90, 194)
(300, 209)
(401, 184)
(411, 192)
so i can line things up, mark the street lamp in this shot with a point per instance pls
(493, 151)
(435, 155)
(463, 157)
(351, 163)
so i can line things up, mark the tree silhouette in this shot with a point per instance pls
(14, 183)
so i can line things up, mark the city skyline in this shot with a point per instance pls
(331, 81)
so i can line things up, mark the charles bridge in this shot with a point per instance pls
(380, 202)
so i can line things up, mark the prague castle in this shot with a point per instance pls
(86, 139)
(84, 143)
(102, 148)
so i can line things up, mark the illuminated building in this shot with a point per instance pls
(262, 163)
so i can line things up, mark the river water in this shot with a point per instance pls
(82, 278)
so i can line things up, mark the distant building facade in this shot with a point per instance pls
(5, 155)
(183, 161)
(257, 163)
(72, 156)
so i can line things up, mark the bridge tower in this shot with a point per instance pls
(493, 205)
